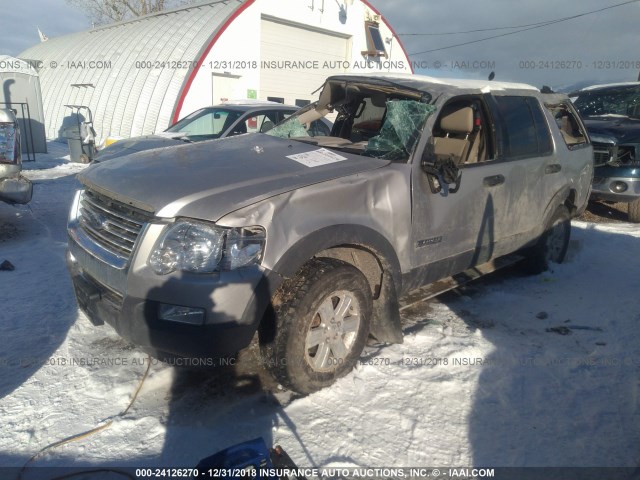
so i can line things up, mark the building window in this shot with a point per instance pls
(302, 103)
(375, 43)
(276, 99)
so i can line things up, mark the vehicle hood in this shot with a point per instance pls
(622, 130)
(210, 179)
(138, 144)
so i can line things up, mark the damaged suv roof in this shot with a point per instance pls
(433, 84)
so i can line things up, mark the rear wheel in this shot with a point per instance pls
(320, 325)
(552, 245)
(634, 211)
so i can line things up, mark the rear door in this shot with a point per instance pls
(532, 172)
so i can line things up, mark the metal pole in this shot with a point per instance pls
(33, 147)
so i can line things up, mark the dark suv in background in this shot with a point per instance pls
(611, 114)
(210, 123)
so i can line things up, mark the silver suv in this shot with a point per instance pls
(187, 251)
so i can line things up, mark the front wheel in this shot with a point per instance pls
(634, 211)
(552, 245)
(320, 325)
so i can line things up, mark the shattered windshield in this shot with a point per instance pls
(619, 101)
(381, 121)
(400, 131)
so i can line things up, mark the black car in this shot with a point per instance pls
(611, 114)
(210, 123)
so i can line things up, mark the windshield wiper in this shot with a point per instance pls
(309, 140)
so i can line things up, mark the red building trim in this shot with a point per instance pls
(187, 85)
(203, 56)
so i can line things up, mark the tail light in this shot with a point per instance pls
(9, 138)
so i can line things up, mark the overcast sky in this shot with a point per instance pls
(597, 48)
(588, 42)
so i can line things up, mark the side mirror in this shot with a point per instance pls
(441, 171)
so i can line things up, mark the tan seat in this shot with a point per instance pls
(566, 131)
(457, 126)
(266, 126)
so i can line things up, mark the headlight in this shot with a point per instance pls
(199, 247)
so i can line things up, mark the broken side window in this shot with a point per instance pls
(401, 130)
(300, 124)
(569, 126)
(290, 128)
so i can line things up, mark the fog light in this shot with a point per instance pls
(176, 313)
(618, 187)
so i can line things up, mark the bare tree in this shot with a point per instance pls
(108, 11)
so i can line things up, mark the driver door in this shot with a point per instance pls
(455, 229)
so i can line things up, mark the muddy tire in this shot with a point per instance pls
(634, 211)
(552, 245)
(320, 324)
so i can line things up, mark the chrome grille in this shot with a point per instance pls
(615, 156)
(602, 155)
(112, 225)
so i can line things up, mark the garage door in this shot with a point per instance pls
(224, 87)
(282, 42)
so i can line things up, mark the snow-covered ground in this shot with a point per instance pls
(512, 371)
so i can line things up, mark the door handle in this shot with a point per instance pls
(493, 180)
(553, 168)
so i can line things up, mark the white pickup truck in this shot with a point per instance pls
(14, 188)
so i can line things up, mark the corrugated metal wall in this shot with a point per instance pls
(128, 98)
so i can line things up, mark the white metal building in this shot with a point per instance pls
(142, 75)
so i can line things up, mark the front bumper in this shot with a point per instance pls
(16, 189)
(602, 189)
(234, 303)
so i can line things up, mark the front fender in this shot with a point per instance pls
(385, 324)
(340, 235)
